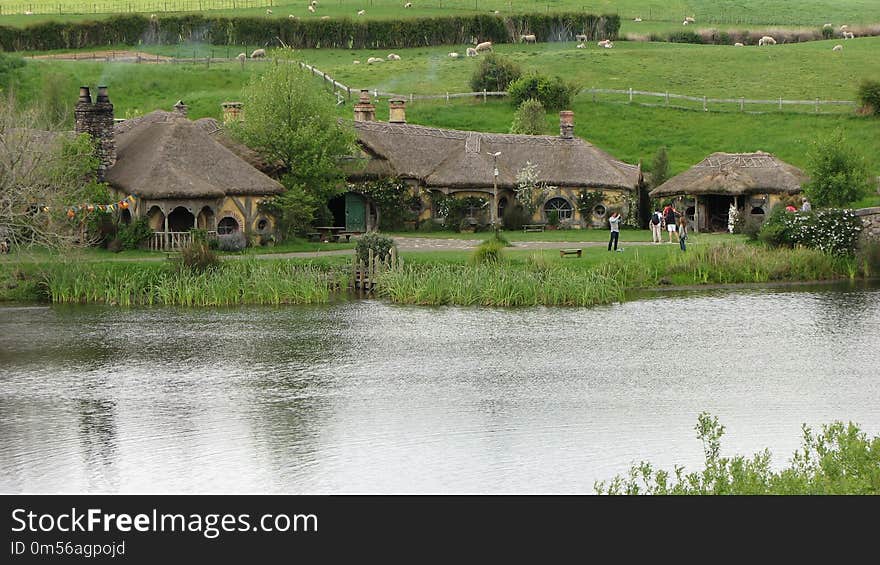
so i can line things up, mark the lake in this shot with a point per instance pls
(369, 397)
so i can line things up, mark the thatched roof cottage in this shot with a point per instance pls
(461, 163)
(182, 177)
(752, 182)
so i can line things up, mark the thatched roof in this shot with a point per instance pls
(165, 155)
(735, 174)
(447, 158)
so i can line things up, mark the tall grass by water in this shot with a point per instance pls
(234, 282)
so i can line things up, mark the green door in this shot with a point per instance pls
(355, 213)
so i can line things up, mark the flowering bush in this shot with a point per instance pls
(530, 191)
(832, 231)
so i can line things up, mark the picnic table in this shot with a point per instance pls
(330, 233)
(533, 227)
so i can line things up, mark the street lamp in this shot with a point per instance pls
(494, 187)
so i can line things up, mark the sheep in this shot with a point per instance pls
(827, 26)
(581, 37)
(581, 46)
(356, 62)
(608, 45)
(689, 19)
(28, 13)
(603, 43)
(258, 54)
(637, 20)
(291, 17)
(684, 23)
(837, 47)
(496, 12)
(849, 35)
(737, 44)
(454, 55)
(393, 57)
(153, 17)
(528, 38)
(844, 27)
(312, 9)
(325, 17)
(408, 5)
(471, 52)
(484, 46)
(268, 12)
(361, 12)
(766, 40)
(372, 60)
(241, 57)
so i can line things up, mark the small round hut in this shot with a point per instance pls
(752, 182)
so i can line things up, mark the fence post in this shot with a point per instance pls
(593, 91)
(780, 103)
(667, 98)
(630, 94)
(705, 109)
(817, 105)
(484, 95)
(742, 104)
(447, 97)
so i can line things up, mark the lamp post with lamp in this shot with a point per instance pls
(494, 188)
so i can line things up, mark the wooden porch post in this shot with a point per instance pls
(165, 237)
(696, 214)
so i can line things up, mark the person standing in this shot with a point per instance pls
(654, 222)
(670, 215)
(682, 232)
(806, 206)
(614, 222)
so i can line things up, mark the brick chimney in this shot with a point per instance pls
(97, 121)
(566, 124)
(397, 111)
(364, 111)
(181, 108)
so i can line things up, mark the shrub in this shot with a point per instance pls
(380, 244)
(832, 231)
(235, 241)
(869, 257)
(514, 217)
(554, 93)
(488, 252)
(748, 225)
(198, 257)
(495, 74)
(133, 234)
(827, 33)
(684, 36)
(530, 118)
(114, 245)
(838, 175)
(869, 96)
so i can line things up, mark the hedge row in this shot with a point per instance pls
(338, 33)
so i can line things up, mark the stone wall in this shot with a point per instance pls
(871, 220)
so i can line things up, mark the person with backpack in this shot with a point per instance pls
(670, 216)
(654, 222)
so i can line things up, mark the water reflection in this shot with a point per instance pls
(371, 397)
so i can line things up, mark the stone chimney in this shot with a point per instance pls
(180, 108)
(397, 111)
(364, 111)
(97, 121)
(231, 111)
(566, 124)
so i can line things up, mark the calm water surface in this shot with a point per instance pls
(367, 397)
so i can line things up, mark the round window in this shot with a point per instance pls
(227, 225)
(599, 210)
(262, 224)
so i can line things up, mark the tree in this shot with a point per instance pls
(554, 93)
(42, 175)
(530, 118)
(869, 96)
(660, 168)
(530, 191)
(494, 74)
(838, 175)
(289, 119)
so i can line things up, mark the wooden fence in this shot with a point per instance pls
(364, 275)
(172, 240)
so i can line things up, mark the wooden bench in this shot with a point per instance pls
(564, 252)
(346, 234)
(314, 236)
(533, 227)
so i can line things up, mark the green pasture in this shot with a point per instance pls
(656, 14)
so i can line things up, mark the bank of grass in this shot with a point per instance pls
(541, 278)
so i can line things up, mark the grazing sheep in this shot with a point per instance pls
(528, 38)
(356, 63)
(268, 12)
(581, 37)
(484, 46)
(454, 55)
(408, 5)
(637, 20)
(361, 12)
(471, 52)
(684, 23)
(738, 45)
(325, 17)
(603, 43)
(258, 54)
(837, 48)
(393, 57)
(827, 26)
(844, 27)
(581, 46)
(849, 35)
(241, 57)
(766, 40)
(312, 9)
(690, 19)
(372, 60)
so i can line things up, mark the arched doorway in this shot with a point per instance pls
(349, 210)
(156, 219)
(561, 206)
(205, 219)
(181, 220)
(502, 205)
